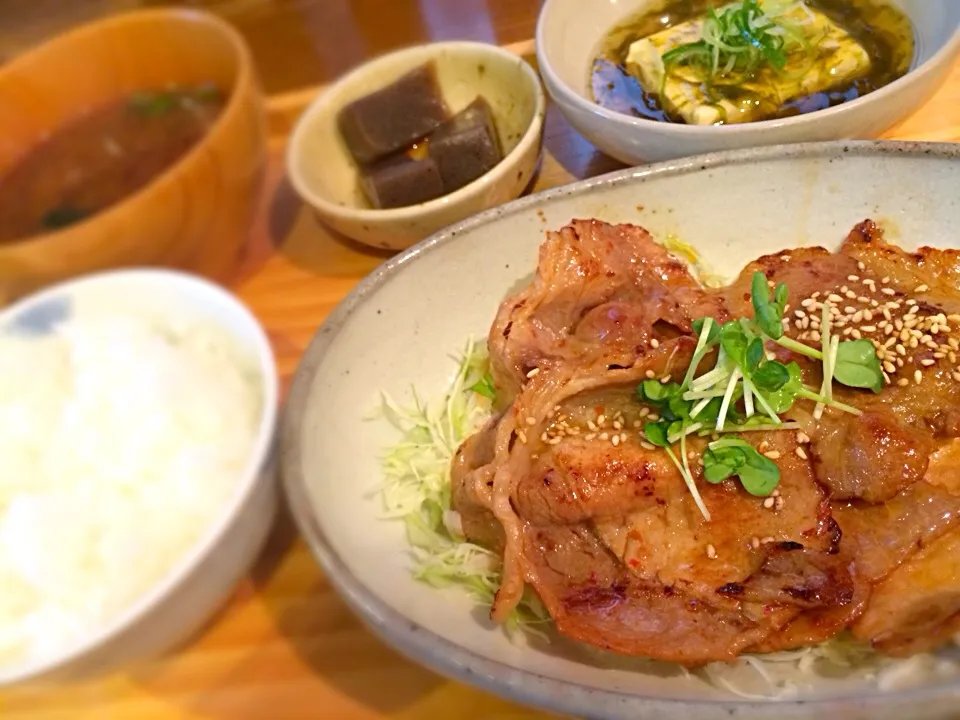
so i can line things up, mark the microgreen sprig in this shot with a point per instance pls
(768, 388)
(729, 457)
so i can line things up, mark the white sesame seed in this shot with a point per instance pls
(868, 328)
(860, 266)
(867, 315)
(928, 362)
(665, 379)
(592, 436)
(768, 503)
(913, 343)
(645, 445)
(533, 372)
(601, 419)
(920, 289)
(801, 453)
(522, 436)
(815, 336)
(531, 421)
(952, 357)
(858, 316)
(917, 376)
(903, 382)
(604, 436)
(623, 437)
(780, 502)
(939, 355)
(755, 542)
(764, 445)
(901, 350)
(833, 297)
(650, 374)
(772, 454)
(654, 343)
(591, 424)
(844, 289)
(711, 552)
(851, 295)
(807, 303)
(934, 329)
(555, 441)
(855, 334)
(885, 279)
(956, 376)
(653, 417)
(637, 424)
(615, 440)
(850, 310)
(853, 278)
(888, 291)
(799, 313)
(802, 437)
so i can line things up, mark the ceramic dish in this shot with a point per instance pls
(569, 33)
(325, 176)
(400, 326)
(195, 214)
(200, 581)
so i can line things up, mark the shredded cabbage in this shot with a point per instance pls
(417, 491)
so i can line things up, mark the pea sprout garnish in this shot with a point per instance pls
(744, 371)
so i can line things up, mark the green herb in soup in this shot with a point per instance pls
(694, 62)
(102, 157)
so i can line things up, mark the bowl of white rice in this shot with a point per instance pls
(137, 414)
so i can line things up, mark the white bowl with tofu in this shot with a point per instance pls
(694, 116)
(137, 415)
(329, 178)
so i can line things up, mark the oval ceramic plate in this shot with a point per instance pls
(401, 325)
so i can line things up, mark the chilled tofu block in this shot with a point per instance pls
(832, 58)
(465, 147)
(394, 117)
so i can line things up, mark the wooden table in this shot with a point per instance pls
(286, 646)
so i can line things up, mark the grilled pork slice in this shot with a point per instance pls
(599, 290)
(601, 524)
(915, 609)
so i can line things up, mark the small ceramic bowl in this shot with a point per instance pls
(197, 213)
(569, 33)
(201, 580)
(326, 177)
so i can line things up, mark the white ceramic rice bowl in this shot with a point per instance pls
(202, 580)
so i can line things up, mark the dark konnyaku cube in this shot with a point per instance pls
(401, 180)
(466, 146)
(395, 117)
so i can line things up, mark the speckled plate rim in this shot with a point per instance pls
(452, 660)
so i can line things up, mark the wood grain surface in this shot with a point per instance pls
(286, 646)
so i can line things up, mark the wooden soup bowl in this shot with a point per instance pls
(196, 215)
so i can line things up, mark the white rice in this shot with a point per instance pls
(120, 442)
